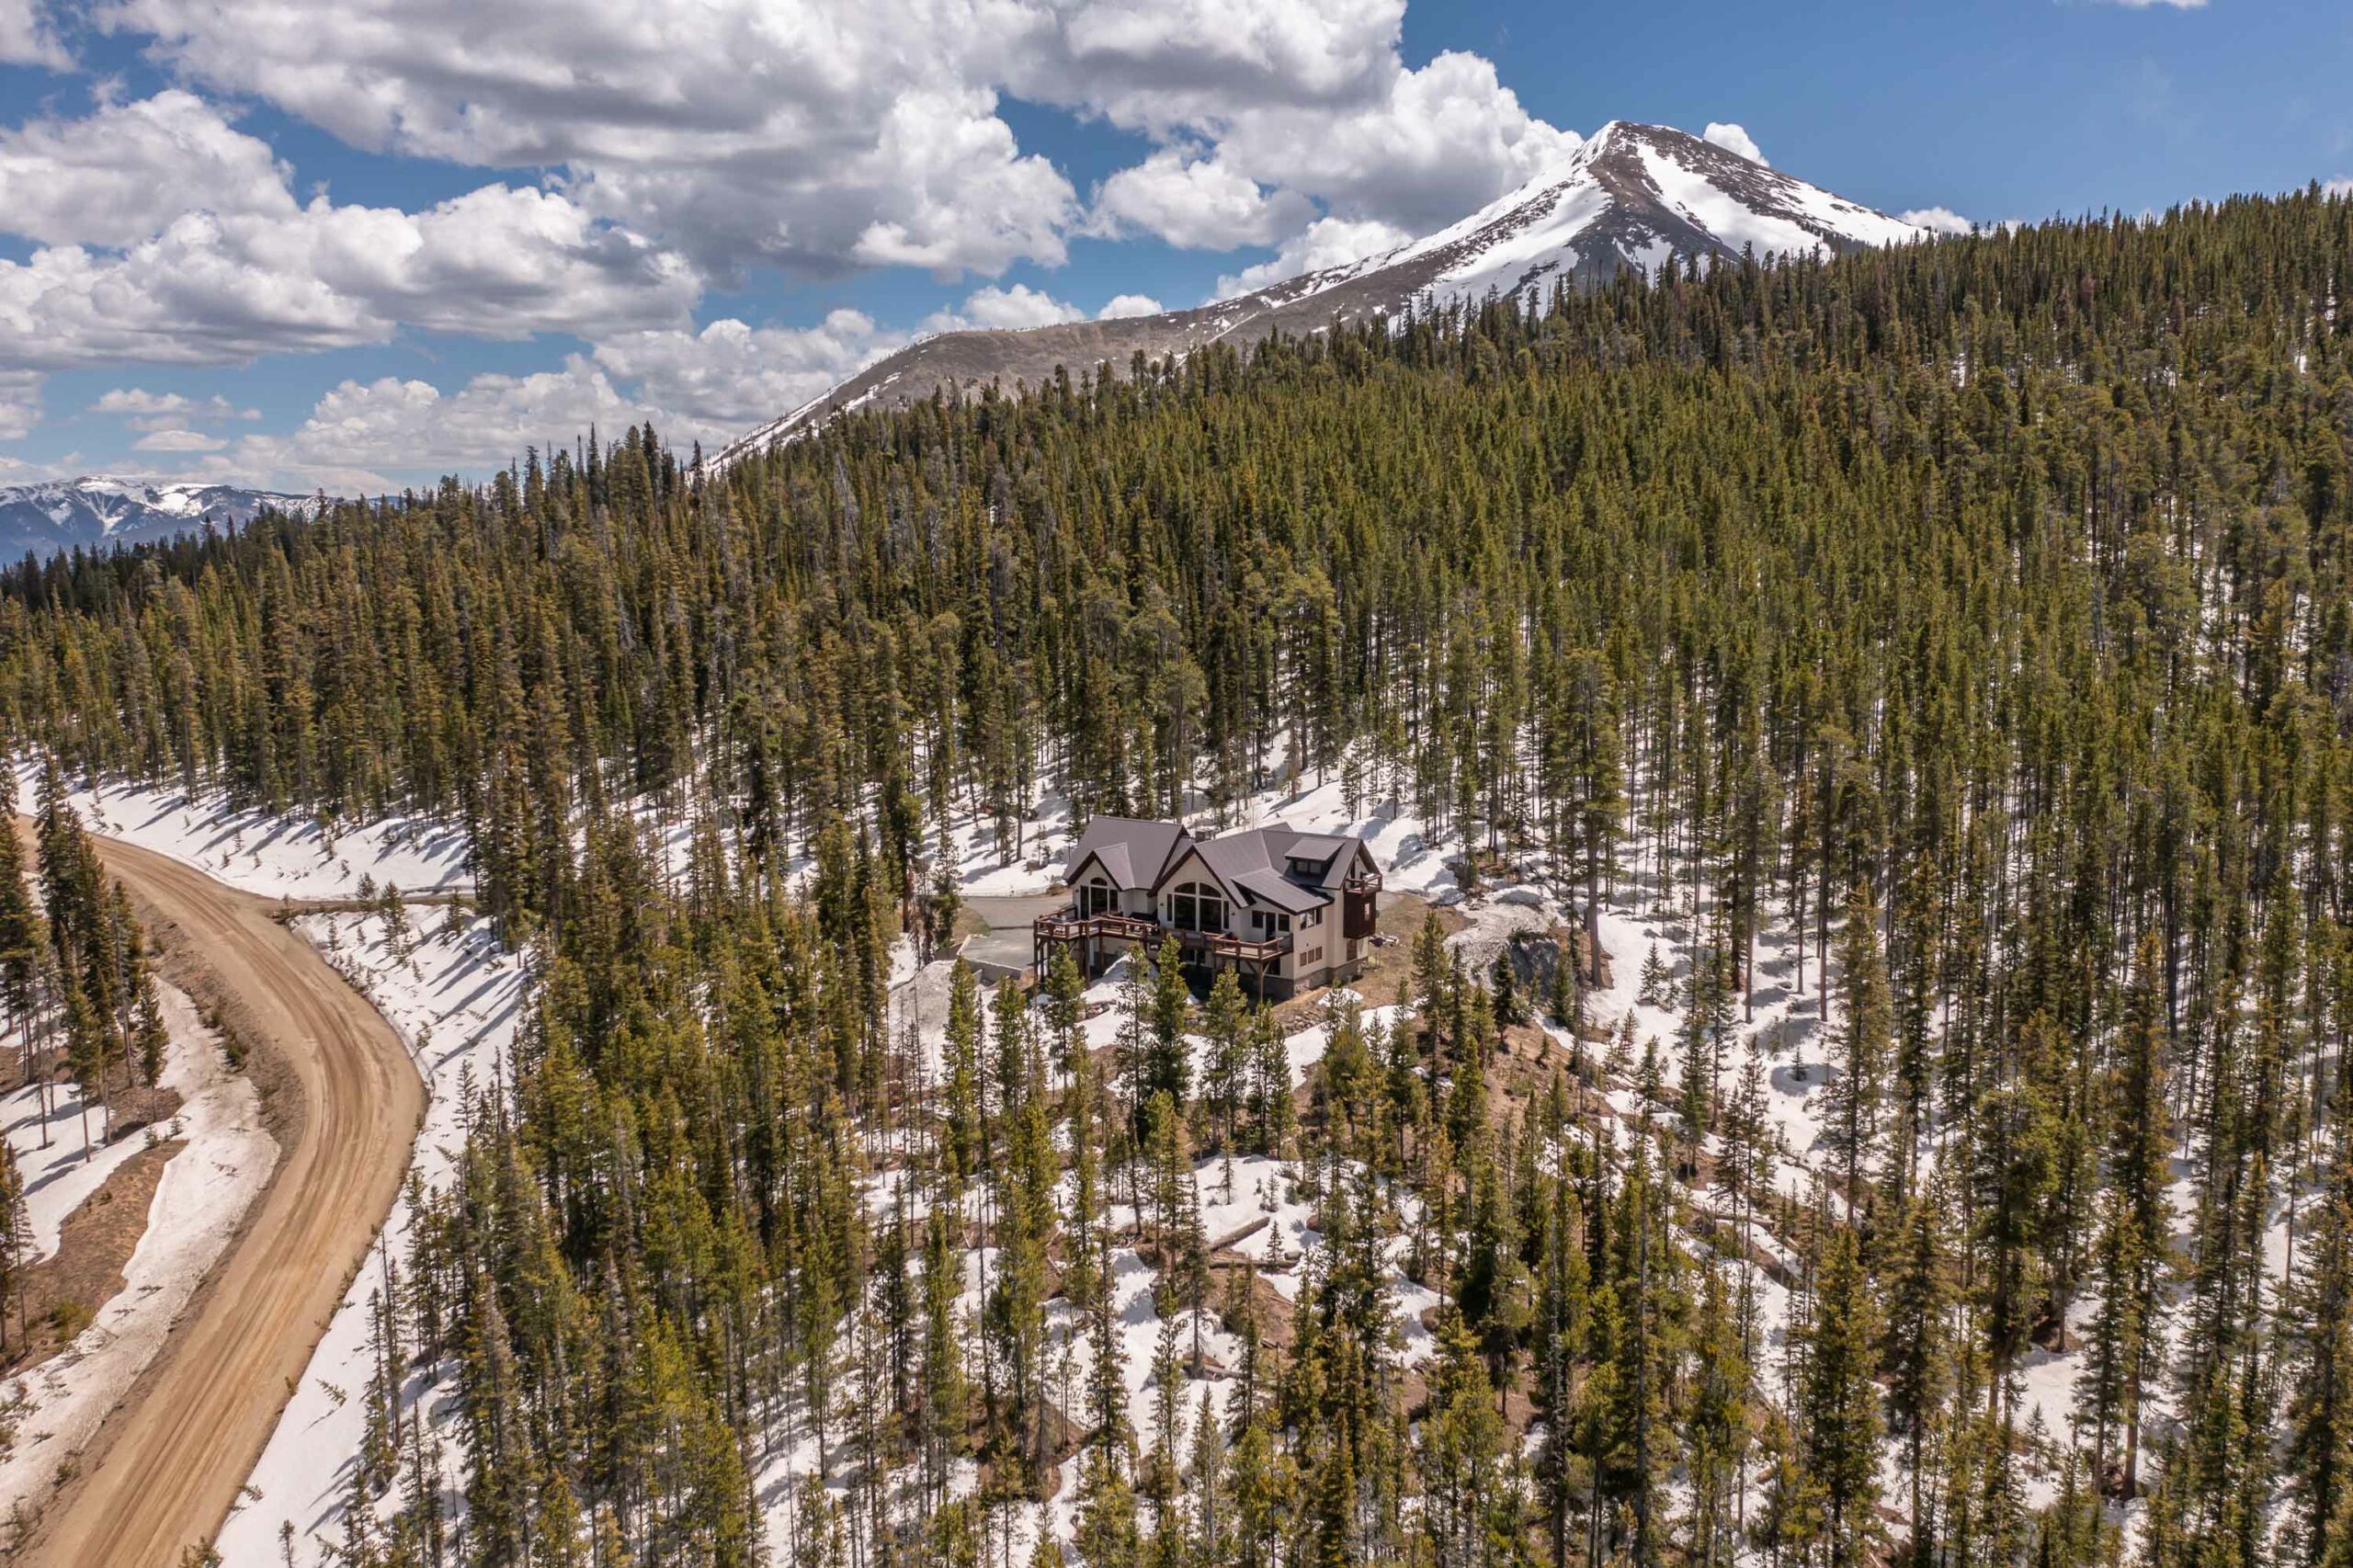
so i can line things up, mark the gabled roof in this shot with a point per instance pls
(1343, 865)
(1254, 863)
(1237, 854)
(1280, 892)
(1254, 867)
(1133, 853)
(1319, 848)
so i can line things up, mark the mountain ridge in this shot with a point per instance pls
(1629, 199)
(92, 511)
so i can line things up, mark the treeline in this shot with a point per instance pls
(1978, 610)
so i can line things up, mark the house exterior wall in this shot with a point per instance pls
(1320, 954)
(1191, 867)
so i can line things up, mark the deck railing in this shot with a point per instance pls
(1239, 948)
(1069, 925)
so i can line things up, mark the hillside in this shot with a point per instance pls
(1908, 687)
(1629, 200)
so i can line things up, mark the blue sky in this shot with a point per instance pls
(424, 232)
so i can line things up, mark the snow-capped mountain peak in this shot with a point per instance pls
(96, 510)
(1629, 199)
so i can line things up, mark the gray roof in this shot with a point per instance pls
(1336, 855)
(1254, 865)
(1267, 887)
(1317, 846)
(1134, 852)
(1238, 854)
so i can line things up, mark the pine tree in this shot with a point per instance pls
(21, 936)
(1716, 1432)
(1655, 983)
(1839, 1415)
(15, 1244)
(1919, 1293)
(1167, 1067)
(1226, 1024)
(148, 1038)
(1864, 1017)
(1463, 1448)
(964, 1141)
(2136, 1239)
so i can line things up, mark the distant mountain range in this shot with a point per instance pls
(99, 510)
(1628, 198)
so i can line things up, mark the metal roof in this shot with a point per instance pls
(1254, 865)
(1134, 852)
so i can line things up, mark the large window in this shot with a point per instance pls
(1097, 897)
(1196, 906)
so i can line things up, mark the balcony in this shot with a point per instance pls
(1069, 925)
(1360, 907)
(1217, 944)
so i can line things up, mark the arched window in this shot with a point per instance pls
(1097, 897)
(1196, 906)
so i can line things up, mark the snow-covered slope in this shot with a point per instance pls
(1628, 200)
(99, 509)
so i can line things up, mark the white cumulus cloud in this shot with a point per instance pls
(28, 38)
(1327, 242)
(126, 171)
(1430, 146)
(1937, 220)
(1733, 140)
(255, 272)
(1013, 308)
(818, 135)
(1163, 66)
(1197, 202)
(1119, 306)
(358, 429)
(729, 374)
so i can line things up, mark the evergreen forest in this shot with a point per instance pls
(1950, 645)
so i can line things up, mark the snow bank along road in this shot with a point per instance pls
(166, 1468)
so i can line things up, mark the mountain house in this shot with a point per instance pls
(1286, 911)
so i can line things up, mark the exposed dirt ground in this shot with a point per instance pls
(62, 1293)
(346, 1102)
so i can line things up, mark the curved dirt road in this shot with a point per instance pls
(166, 1467)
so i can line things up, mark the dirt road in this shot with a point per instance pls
(166, 1467)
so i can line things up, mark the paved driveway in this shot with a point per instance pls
(1011, 911)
